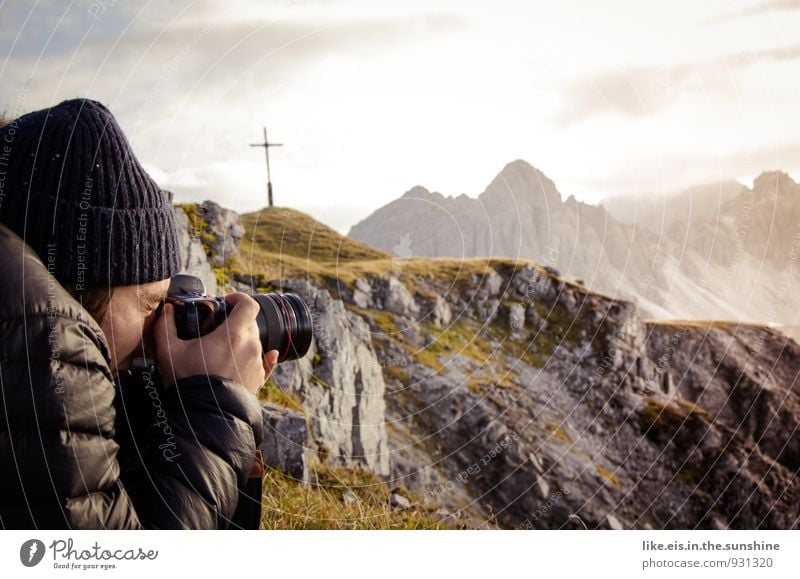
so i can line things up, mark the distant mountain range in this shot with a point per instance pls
(659, 212)
(720, 251)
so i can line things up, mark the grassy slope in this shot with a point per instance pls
(322, 504)
(729, 327)
(282, 243)
(704, 324)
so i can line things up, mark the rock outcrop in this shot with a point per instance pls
(193, 255)
(340, 384)
(223, 232)
(585, 415)
(285, 441)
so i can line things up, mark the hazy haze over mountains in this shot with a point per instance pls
(719, 251)
(659, 211)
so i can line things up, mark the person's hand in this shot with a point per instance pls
(232, 350)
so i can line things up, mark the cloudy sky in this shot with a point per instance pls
(373, 97)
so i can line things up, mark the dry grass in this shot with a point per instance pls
(726, 325)
(558, 432)
(609, 476)
(283, 231)
(280, 243)
(272, 393)
(658, 413)
(321, 505)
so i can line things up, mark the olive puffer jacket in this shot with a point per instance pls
(81, 448)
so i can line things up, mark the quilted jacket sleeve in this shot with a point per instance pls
(58, 455)
(187, 449)
(60, 452)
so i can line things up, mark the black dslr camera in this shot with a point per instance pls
(284, 320)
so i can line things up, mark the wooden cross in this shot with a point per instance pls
(266, 144)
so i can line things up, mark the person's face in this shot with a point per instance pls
(128, 324)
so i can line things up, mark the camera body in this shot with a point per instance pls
(284, 320)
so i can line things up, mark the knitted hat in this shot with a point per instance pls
(71, 187)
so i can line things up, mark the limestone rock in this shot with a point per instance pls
(547, 433)
(362, 294)
(398, 501)
(224, 232)
(285, 441)
(614, 523)
(340, 384)
(193, 257)
(542, 488)
(442, 314)
(516, 318)
(398, 299)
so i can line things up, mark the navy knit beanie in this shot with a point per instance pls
(75, 192)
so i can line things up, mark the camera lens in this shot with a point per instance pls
(284, 324)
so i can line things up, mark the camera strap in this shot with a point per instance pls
(145, 370)
(248, 511)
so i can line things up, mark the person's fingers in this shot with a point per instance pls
(237, 297)
(245, 310)
(270, 361)
(272, 358)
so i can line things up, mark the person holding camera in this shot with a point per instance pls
(107, 419)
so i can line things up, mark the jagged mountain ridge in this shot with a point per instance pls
(694, 271)
(658, 212)
(502, 394)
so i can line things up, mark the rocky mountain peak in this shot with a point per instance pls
(417, 191)
(522, 181)
(774, 183)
